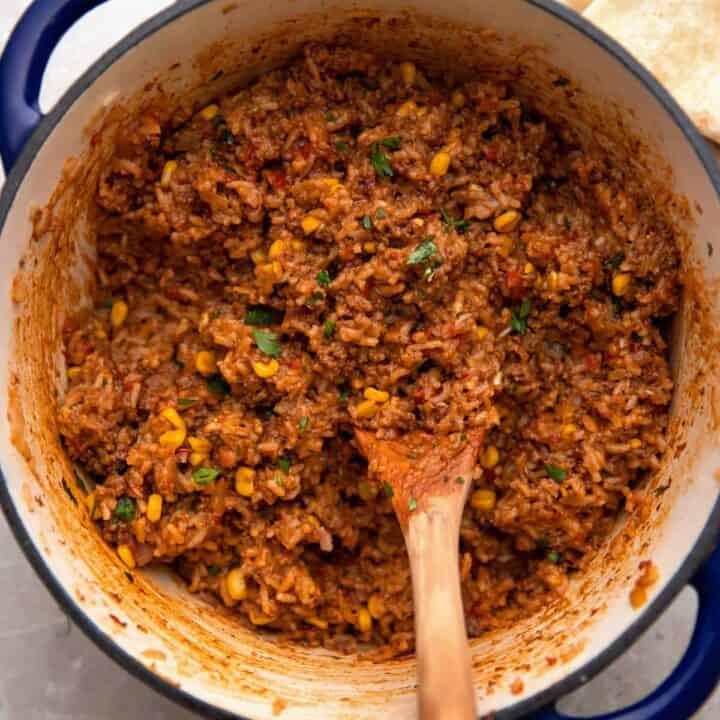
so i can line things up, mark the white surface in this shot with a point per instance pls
(48, 670)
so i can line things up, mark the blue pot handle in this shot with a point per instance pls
(22, 66)
(697, 674)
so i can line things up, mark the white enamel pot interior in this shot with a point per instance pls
(196, 652)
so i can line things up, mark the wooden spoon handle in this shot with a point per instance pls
(444, 670)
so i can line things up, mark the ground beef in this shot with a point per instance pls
(349, 243)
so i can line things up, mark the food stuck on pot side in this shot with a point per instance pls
(352, 242)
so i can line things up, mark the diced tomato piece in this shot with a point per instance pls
(305, 148)
(515, 284)
(491, 153)
(277, 179)
(592, 361)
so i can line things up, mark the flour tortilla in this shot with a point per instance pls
(679, 42)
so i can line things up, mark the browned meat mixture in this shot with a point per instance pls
(350, 242)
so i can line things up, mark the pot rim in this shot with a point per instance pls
(697, 555)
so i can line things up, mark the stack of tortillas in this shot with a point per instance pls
(677, 40)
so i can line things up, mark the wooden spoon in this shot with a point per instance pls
(429, 478)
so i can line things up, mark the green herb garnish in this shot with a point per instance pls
(379, 159)
(323, 278)
(367, 223)
(329, 328)
(616, 260)
(284, 464)
(267, 342)
(302, 425)
(229, 168)
(204, 475)
(553, 557)
(388, 489)
(342, 146)
(423, 252)
(380, 213)
(125, 509)
(558, 474)
(519, 317)
(217, 385)
(183, 402)
(460, 225)
(315, 297)
(344, 394)
(412, 505)
(260, 315)
(279, 481)
(107, 304)
(460, 480)
(213, 570)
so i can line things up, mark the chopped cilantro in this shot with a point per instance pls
(107, 303)
(260, 315)
(204, 475)
(379, 159)
(302, 425)
(284, 464)
(217, 385)
(367, 223)
(229, 168)
(267, 342)
(460, 225)
(558, 474)
(184, 402)
(423, 252)
(226, 136)
(460, 480)
(380, 213)
(344, 394)
(279, 481)
(125, 509)
(213, 570)
(412, 505)
(315, 297)
(342, 146)
(330, 116)
(519, 317)
(553, 556)
(616, 260)
(463, 437)
(329, 328)
(388, 489)
(323, 278)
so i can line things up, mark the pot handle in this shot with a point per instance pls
(23, 64)
(696, 675)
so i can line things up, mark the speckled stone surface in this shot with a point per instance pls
(50, 671)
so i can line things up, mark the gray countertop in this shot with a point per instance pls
(50, 671)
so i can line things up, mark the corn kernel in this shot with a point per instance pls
(266, 370)
(126, 555)
(408, 72)
(235, 584)
(406, 109)
(276, 249)
(483, 500)
(210, 111)
(258, 256)
(364, 620)
(620, 283)
(200, 445)
(636, 443)
(638, 597)
(101, 334)
(552, 280)
(313, 521)
(154, 507)
(507, 221)
(258, 618)
(379, 396)
(490, 457)
(298, 245)
(205, 362)
(173, 438)
(529, 267)
(245, 481)
(457, 99)
(369, 247)
(506, 246)
(440, 163)
(310, 224)
(569, 429)
(173, 417)
(317, 622)
(331, 184)
(167, 173)
(376, 606)
(119, 313)
(481, 332)
(366, 409)
(196, 458)
(73, 372)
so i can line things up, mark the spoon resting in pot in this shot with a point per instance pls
(429, 478)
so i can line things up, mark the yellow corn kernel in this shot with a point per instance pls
(364, 620)
(266, 370)
(569, 429)
(100, 333)
(369, 247)
(529, 267)
(200, 445)
(173, 417)
(154, 507)
(552, 280)
(173, 438)
(482, 332)
(440, 163)
(258, 618)
(205, 362)
(258, 256)
(379, 396)
(313, 521)
(235, 584)
(73, 372)
(126, 555)
(245, 481)
(317, 622)
(310, 224)
(506, 246)
(458, 99)
(196, 458)
(366, 409)
(620, 283)
(118, 313)
(483, 500)
(276, 249)
(210, 111)
(331, 184)
(376, 606)
(507, 221)
(298, 245)
(167, 173)
(636, 443)
(408, 72)
(406, 109)
(490, 457)
(273, 271)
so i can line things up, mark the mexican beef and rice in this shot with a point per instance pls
(351, 243)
